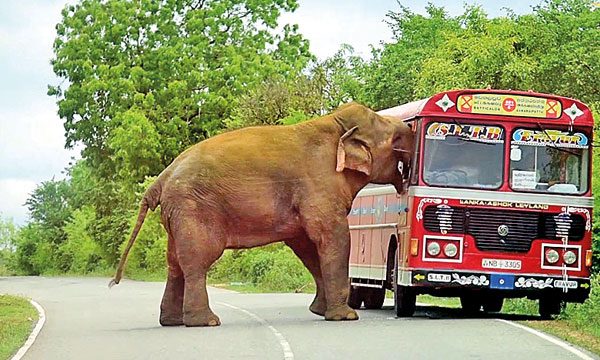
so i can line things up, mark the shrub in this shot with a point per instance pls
(271, 268)
(586, 315)
(79, 253)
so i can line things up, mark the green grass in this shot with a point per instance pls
(565, 330)
(249, 288)
(577, 324)
(144, 276)
(439, 301)
(17, 318)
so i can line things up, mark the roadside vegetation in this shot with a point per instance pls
(579, 324)
(132, 100)
(17, 319)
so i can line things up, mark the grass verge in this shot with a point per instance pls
(17, 318)
(249, 288)
(563, 329)
(569, 325)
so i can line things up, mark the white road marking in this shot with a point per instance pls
(287, 349)
(560, 343)
(34, 333)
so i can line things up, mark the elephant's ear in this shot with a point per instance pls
(353, 153)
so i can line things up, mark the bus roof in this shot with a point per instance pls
(503, 105)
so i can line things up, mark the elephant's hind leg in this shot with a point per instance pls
(306, 250)
(171, 307)
(198, 246)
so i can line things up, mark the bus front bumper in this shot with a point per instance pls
(574, 288)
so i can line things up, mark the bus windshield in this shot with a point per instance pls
(463, 155)
(551, 161)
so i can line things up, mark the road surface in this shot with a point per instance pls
(86, 320)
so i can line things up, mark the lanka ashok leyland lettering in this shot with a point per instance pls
(499, 205)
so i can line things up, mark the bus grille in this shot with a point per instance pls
(484, 224)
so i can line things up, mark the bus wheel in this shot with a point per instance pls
(405, 301)
(550, 306)
(356, 296)
(405, 297)
(493, 304)
(374, 298)
(470, 304)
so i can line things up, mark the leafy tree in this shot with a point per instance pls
(136, 71)
(340, 78)
(391, 77)
(278, 101)
(321, 88)
(8, 237)
(8, 232)
(49, 208)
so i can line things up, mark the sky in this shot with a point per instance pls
(31, 133)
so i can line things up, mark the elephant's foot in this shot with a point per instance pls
(318, 306)
(167, 319)
(339, 313)
(204, 318)
(170, 315)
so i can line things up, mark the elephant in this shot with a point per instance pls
(259, 185)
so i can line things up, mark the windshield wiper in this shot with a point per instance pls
(552, 144)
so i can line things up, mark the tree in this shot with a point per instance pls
(171, 69)
(391, 76)
(321, 88)
(8, 243)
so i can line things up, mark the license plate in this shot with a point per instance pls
(438, 278)
(565, 284)
(501, 264)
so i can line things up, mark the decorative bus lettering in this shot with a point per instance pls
(485, 133)
(505, 204)
(555, 137)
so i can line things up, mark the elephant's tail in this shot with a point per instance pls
(150, 201)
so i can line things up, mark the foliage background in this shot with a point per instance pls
(142, 81)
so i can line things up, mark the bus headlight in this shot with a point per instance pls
(450, 250)
(552, 256)
(433, 248)
(569, 257)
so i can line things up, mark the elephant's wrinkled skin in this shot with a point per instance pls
(260, 185)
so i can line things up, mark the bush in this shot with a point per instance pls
(147, 258)
(6, 258)
(587, 315)
(80, 253)
(271, 268)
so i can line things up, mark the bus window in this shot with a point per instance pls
(463, 155)
(556, 165)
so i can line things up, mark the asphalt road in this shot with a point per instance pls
(86, 320)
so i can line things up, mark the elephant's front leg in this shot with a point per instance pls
(306, 250)
(333, 246)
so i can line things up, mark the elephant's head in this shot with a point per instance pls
(379, 147)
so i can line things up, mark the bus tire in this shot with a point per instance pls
(405, 297)
(374, 298)
(405, 301)
(356, 296)
(493, 304)
(550, 306)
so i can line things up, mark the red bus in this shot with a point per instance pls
(499, 205)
